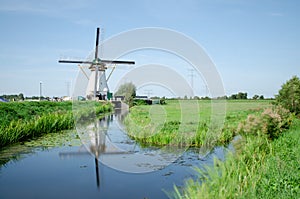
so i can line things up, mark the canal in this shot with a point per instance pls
(100, 161)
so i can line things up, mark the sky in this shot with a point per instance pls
(255, 45)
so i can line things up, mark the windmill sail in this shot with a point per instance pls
(97, 86)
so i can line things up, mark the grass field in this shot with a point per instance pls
(20, 121)
(190, 122)
(265, 163)
(259, 168)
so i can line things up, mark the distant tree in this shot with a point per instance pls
(185, 97)
(196, 98)
(129, 91)
(261, 97)
(13, 97)
(255, 97)
(233, 96)
(21, 96)
(289, 95)
(222, 97)
(206, 98)
(241, 95)
(163, 100)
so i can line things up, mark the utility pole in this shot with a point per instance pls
(192, 77)
(148, 92)
(40, 90)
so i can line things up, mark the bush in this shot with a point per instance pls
(289, 95)
(271, 122)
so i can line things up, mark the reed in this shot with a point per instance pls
(259, 168)
(27, 120)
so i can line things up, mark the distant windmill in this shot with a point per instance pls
(98, 66)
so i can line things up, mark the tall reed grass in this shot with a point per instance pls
(27, 120)
(19, 130)
(261, 167)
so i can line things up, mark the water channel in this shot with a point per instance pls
(106, 164)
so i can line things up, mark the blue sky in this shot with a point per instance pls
(254, 44)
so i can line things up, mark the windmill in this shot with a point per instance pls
(98, 67)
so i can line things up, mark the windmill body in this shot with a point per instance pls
(98, 81)
(97, 86)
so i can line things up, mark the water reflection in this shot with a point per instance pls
(108, 141)
(95, 138)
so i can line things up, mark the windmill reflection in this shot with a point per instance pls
(97, 142)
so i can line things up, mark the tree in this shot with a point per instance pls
(129, 91)
(196, 98)
(233, 96)
(255, 97)
(289, 95)
(241, 95)
(21, 96)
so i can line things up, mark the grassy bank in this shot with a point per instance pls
(26, 120)
(188, 122)
(260, 168)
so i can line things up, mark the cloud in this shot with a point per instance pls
(276, 14)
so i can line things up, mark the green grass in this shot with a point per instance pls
(259, 168)
(28, 110)
(189, 122)
(21, 121)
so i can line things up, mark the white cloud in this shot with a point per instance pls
(276, 14)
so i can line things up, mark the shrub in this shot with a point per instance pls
(289, 95)
(271, 122)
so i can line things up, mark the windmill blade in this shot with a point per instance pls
(97, 43)
(117, 62)
(111, 73)
(75, 61)
(81, 68)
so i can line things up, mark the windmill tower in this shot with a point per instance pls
(97, 86)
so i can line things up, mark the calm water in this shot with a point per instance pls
(70, 170)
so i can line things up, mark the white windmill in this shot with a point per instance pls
(97, 79)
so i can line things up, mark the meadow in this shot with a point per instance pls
(266, 157)
(20, 121)
(190, 122)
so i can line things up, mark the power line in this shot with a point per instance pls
(148, 92)
(191, 70)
